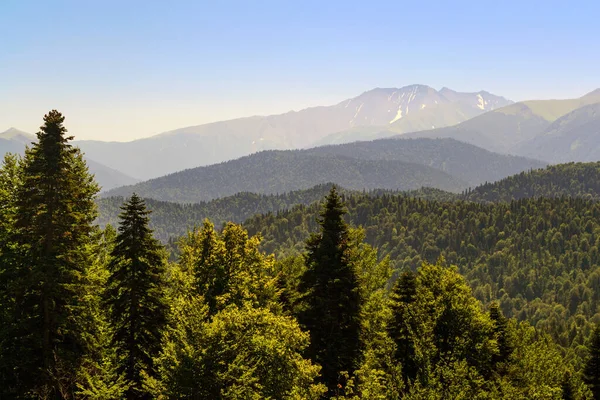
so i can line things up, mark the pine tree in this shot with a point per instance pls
(505, 345)
(135, 296)
(568, 392)
(591, 372)
(44, 338)
(400, 330)
(330, 297)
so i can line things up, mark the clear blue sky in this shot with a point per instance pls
(127, 69)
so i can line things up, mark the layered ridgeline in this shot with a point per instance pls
(382, 164)
(406, 109)
(14, 141)
(512, 128)
(573, 137)
(172, 220)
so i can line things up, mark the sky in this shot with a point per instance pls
(122, 70)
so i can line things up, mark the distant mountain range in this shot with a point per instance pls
(531, 128)
(573, 137)
(395, 164)
(14, 141)
(406, 109)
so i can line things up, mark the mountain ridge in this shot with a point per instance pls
(404, 109)
(399, 164)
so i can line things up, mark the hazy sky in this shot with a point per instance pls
(126, 69)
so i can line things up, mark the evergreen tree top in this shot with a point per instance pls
(332, 213)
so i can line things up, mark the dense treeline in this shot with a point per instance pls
(272, 171)
(538, 257)
(563, 180)
(173, 220)
(87, 313)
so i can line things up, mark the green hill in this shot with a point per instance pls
(564, 180)
(272, 172)
(538, 257)
(172, 220)
(389, 164)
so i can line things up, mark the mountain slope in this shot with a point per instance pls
(398, 164)
(581, 180)
(14, 141)
(173, 220)
(406, 109)
(462, 160)
(573, 137)
(421, 108)
(282, 171)
(502, 130)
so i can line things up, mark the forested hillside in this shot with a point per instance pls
(462, 160)
(173, 220)
(272, 172)
(338, 312)
(563, 180)
(382, 164)
(538, 257)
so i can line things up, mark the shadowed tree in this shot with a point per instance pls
(591, 372)
(330, 297)
(45, 335)
(400, 329)
(135, 296)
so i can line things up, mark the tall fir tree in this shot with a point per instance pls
(505, 346)
(330, 297)
(135, 296)
(400, 330)
(46, 333)
(591, 372)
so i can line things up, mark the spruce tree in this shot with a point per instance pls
(46, 336)
(403, 294)
(505, 345)
(568, 392)
(591, 372)
(330, 297)
(135, 296)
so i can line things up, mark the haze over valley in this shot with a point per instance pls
(299, 200)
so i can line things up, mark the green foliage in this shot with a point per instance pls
(591, 372)
(228, 267)
(563, 180)
(239, 353)
(135, 296)
(537, 257)
(44, 336)
(331, 301)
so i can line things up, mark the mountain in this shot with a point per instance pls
(172, 220)
(278, 171)
(418, 108)
(14, 141)
(396, 164)
(573, 137)
(469, 163)
(505, 129)
(401, 110)
(15, 135)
